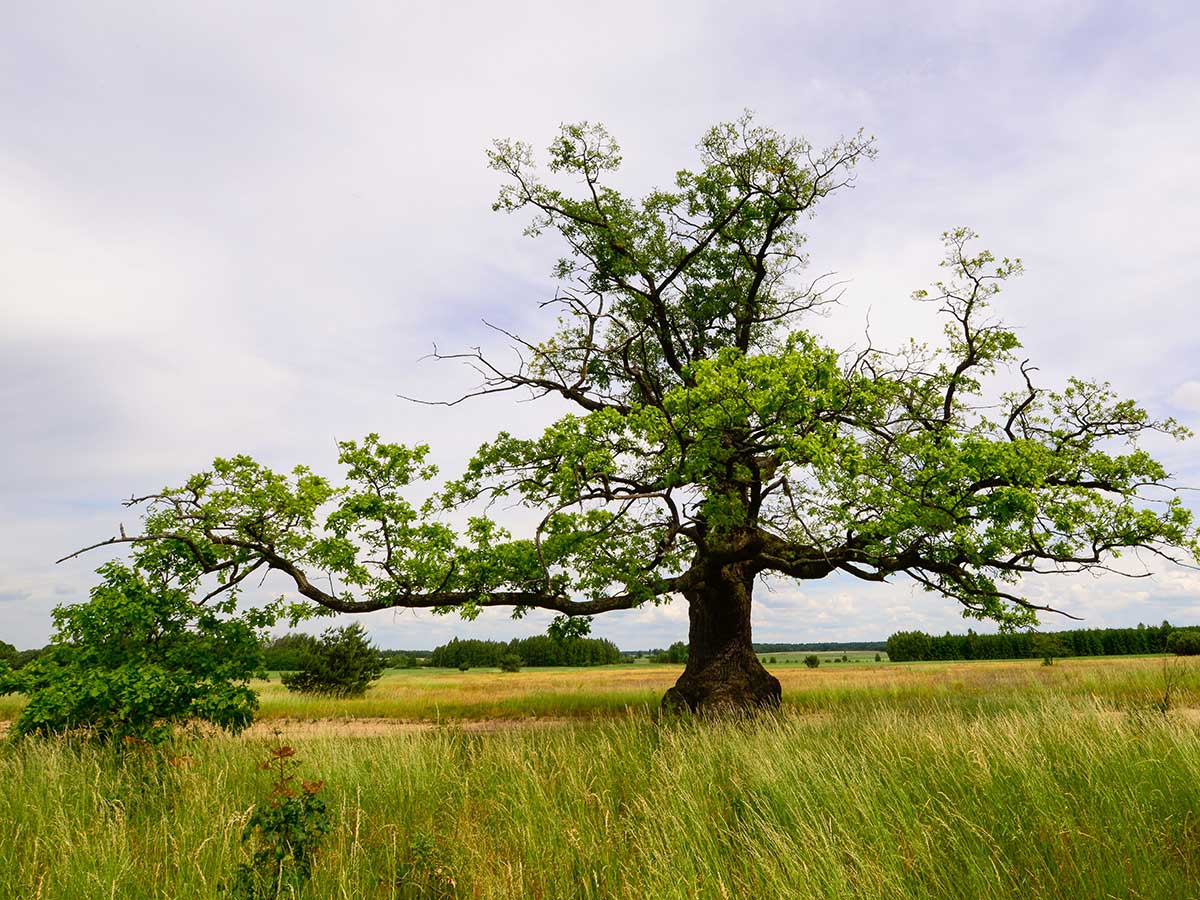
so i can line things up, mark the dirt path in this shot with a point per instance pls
(301, 728)
(377, 727)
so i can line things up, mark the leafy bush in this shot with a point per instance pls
(510, 662)
(136, 660)
(812, 661)
(286, 830)
(342, 663)
(1184, 642)
(878, 658)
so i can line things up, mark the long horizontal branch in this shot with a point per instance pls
(554, 602)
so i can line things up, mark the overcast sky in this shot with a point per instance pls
(231, 227)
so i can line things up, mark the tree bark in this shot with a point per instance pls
(723, 673)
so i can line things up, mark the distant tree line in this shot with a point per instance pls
(16, 659)
(288, 652)
(907, 646)
(676, 653)
(539, 650)
(820, 646)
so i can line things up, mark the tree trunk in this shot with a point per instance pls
(723, 674)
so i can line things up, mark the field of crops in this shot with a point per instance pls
(967, 780)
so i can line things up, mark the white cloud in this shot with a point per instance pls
(1187, 396)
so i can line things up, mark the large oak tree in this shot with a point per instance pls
(714, 438)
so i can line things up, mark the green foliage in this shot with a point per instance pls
(537, 650)
(287, 653)
(915, 645)
(878, 658)
(400, 659)
(1184, 642)
(676, 653)
(510, 662)
(908, 645)
(426, 871)
(812, 660)
(285, 832)
(137, 659)
(343, 663)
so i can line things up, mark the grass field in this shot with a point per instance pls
(969, 780)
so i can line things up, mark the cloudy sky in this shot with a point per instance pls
(237, 228)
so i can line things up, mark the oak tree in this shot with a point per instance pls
(714, 438)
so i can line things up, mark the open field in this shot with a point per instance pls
(447, 695)
(967, 780)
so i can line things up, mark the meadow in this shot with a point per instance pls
(931, 780)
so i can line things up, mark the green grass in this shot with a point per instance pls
(1051, 802)
(924, 781)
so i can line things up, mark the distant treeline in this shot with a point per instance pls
(825, 646)
(907, 646)
(14, 658)
(539, 650)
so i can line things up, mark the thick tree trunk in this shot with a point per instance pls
(723, 674)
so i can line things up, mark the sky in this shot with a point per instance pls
(237, 228)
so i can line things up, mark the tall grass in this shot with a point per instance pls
(1062, 798)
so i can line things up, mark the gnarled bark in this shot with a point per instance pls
(723, 673)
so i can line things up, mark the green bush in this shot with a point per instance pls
(285, 831)
(510, 662)
(342, 664)
(812, 661)
(137, 659)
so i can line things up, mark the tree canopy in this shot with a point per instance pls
(714, 437)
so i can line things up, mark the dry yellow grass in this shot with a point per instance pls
(431, 695)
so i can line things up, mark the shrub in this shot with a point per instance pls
(342, 663)
(878, 658)
(510, 662)
(812, 661)
(286, 830)
(772, 660)
(137, 659)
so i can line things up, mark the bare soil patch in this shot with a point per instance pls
(382, 727)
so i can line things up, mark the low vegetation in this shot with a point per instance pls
(978, 780)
